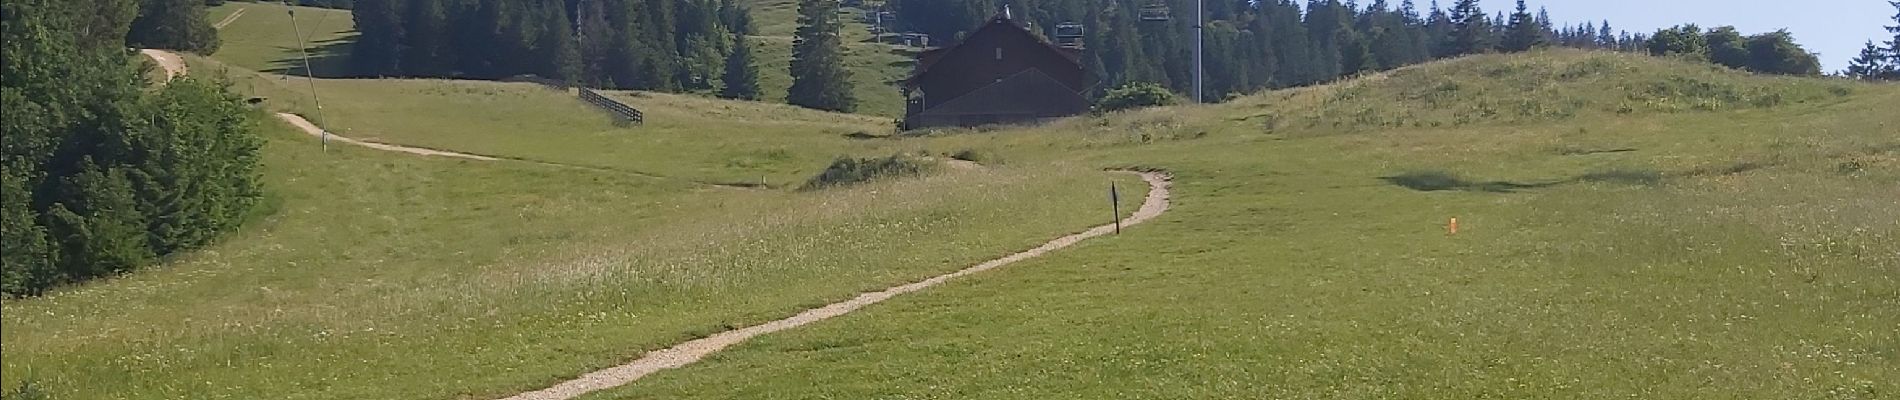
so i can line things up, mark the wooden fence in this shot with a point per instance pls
(621, 111)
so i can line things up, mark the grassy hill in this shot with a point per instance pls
(1629, 226)
(385, 275)
(1698, 243)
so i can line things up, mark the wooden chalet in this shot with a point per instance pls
(1001, 73)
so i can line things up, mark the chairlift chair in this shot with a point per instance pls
(1155, 11)
(1069, 34)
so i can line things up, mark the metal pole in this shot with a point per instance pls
(310, 76)
(1198, 26)
(1115, 205)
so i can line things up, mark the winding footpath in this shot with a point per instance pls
(170, 62)
(691, 351)
(312, 129)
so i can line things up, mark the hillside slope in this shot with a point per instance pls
(376, 274)
(1700, 243)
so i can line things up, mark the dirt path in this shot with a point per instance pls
(689, 352)
(168, 61)
(313, 130)
(962, 164)
(228, 19)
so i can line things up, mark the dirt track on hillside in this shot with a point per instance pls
(229, 18)
(312, 129)
(691, 351)
(170, 62)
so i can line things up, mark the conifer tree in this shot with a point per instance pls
(1893, 46)
(741, 77)
(1471, 32)
(1525, 31)
(819, 79)
(1871, 64)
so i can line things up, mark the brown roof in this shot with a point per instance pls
(929, 58)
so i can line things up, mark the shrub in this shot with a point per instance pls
(970, 155)
(849, 170)
(1135, 95)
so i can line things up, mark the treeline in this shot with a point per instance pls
(666, 45)
(1251, 45)
(1879, 63)
(1768, 53)
(164, 24)
(98, 174)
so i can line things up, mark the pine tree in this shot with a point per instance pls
(1525, 32)
(1471, 32)
(1438, 29)
(741, 78)
(1605, 37)
(1893, 46)
(556, 45)
(1871, 64)
(425, 38)
(378, 47)
(819, 79)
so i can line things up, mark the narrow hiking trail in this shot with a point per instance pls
(170, 62)
(230, 18)
(312, 129)
(682, 354)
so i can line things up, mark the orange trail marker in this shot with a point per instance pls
(1452, 229)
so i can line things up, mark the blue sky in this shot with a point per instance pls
(1835, 28)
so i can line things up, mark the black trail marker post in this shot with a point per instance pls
(1115, 204)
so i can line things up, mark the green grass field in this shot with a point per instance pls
(261, 39)
(1727, 251)
(381, 275)
(1629, 227)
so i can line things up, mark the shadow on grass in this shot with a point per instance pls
(328, 59)
(1434, 181)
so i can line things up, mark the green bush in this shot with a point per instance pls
(970, 155)
(1135, 95)
(849, 170)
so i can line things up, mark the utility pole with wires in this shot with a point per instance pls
(310, 76)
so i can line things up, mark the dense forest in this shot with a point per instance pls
(665, 45)
(99, 173)
(1255, 44)
(687, 45)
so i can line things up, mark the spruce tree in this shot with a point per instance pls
(1871, 64)
(1525, 31)
(1438, 31)
(1893, 46)
(741, 78)
(819, 79)
(1471, 31)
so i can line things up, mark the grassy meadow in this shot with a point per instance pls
(262, 40)
(1733, 250)
(371, 274)
(1629, 227)
(686, 137)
